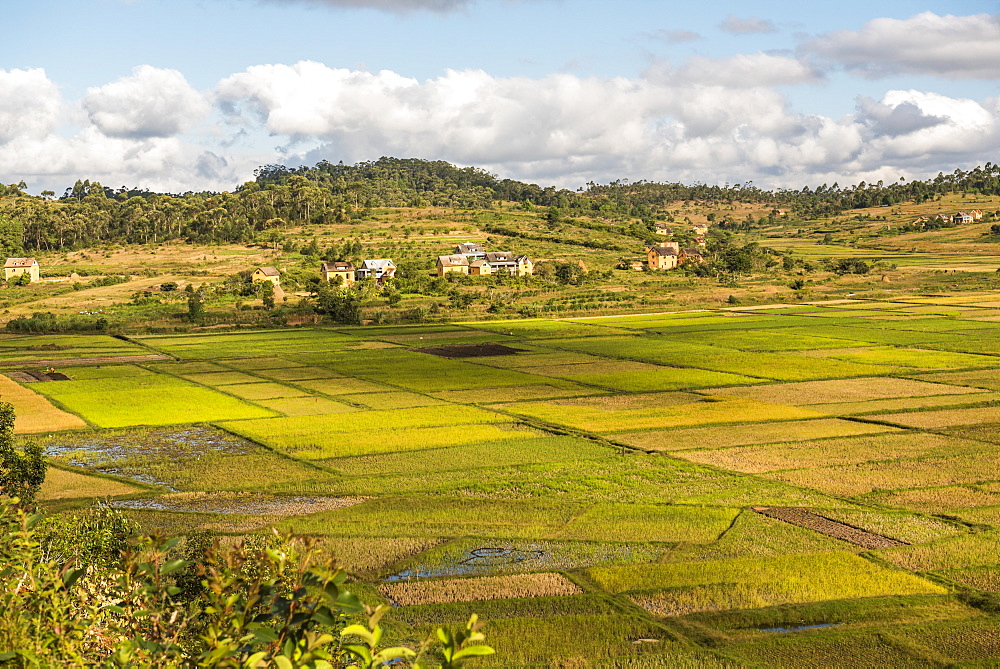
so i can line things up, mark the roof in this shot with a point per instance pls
(479, 263)
(470, 247)
(692, 252)
(455, 260)
(500, 257)
(20, 262)
(664, 250)
(379, 263)
(268, 271)
(338, 266)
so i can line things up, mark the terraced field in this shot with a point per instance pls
(816, 484)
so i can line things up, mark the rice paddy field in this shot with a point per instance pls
(808, 485)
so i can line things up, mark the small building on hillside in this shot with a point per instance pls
(687, 256)
(480, 268)
(664, 256)
(15, 267)
(339, 272)
(963, 217)
(378, 269)
(505, 261)
(453, 264)
(699, 229)
(262, 274)
(471, 250)
(663, 229)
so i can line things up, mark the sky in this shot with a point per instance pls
(192, 95)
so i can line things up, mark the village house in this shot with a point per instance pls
(15, 267)
(963, 217)
(699, 229)
(262, 274)
(663, 256)
(662, 229)
(690, 256)
(338, 272)
(378, 269)
(500, 261)
(471, 250)
(453, 264)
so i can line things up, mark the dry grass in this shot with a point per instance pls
(760, 433)
(935, 500)
(967, 550)
(843, 390)
(824, 453)
(907, 403)
(943, 418)
(61, 484)
(986, 378)
(479, 589)
(34, 413)
(650, 411)
(866, 478)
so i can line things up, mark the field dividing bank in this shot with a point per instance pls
(636, 412)
(246, 344)
(662, 350)
(719, 585)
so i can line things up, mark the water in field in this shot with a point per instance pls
(139, 454)
(473, 557)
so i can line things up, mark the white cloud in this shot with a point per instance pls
(706, 120)
(30, 104)
(739, 71)
(955, 47)
(748, 26)
(152, 102)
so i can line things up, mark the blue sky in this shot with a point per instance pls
(194, 94)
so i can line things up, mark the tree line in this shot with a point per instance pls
(91, 214)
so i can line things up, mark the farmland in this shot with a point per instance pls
(608, 482)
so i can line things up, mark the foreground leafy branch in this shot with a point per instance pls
(235, 606)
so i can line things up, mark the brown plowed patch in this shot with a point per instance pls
(69, 362)
(831, 528)
(469, 350)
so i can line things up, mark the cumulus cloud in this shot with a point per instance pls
(30, 104)
(955, 47)
(740, 71)
(748, 26)
(705, 120)
(152, 102)
(388, 5)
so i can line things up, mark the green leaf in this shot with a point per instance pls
(72, 576)
(265, 635)
(283, 662)
(172, 566)
(254, 660)
(471, 651)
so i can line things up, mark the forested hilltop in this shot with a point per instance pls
(90, 213)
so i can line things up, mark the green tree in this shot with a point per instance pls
(267, 294)
(21, 473)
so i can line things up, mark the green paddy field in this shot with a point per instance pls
(593, 488)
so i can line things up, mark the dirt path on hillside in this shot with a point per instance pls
(831, 528)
